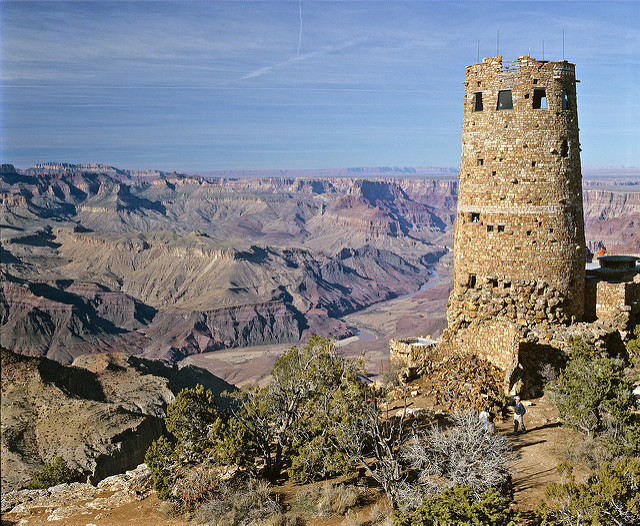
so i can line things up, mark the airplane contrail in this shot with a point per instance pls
(300, 34)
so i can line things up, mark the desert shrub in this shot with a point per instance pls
(633, 346)
(190, 418)
(594, 397)
(239, 502)
(592, 453)
(199, 433)
(196, 485)
(54, 473)
(391, 377)
(160, 458)
(548, 373)
(609, 496)
(460, 456)
(461, 505)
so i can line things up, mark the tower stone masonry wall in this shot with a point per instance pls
(519, 248)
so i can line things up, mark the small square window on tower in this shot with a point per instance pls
(539, 99)
(478, 101)
(489, 228)
(475, 217)
(479, 161)
(565, 100)
(505, 101)
(500, 228)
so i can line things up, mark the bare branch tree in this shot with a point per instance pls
(461, 454)
(374, 444)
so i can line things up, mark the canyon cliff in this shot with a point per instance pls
(100, 414)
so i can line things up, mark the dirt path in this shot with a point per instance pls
(539, 452)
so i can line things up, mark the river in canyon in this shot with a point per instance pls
(372, 327)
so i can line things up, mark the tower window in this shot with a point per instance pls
(533, 164)
(539, 99)
(565, 100)
(500, 228)
(472, 280)
(475, 217)
(505, 102)
(478, 101)
(479, 161)
(489, 228)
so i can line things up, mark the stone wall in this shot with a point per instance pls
(414, 354)
(497, 299)
(619, 303)
(497, 342)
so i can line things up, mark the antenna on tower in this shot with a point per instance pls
(497, 42)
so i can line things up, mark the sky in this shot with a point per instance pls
(196, 86)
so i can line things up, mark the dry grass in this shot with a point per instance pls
(244, 503)
(380, 515)
(328, 500)
(587, 452)
(336, 499)
(282, 519)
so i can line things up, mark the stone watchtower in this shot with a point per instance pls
(519, 250)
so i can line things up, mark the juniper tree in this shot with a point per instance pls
(594, 396)
(288, 419)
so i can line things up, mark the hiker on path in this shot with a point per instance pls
(518, 414)
(484, 415)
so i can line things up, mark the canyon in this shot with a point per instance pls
(165, 266)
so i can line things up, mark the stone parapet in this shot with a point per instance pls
(619, 303)
(417, 355)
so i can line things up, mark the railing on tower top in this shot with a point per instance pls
(564, 69)
(509, 66)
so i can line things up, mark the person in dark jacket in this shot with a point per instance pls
(518, 416)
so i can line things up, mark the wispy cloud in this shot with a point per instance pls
(293, 60)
